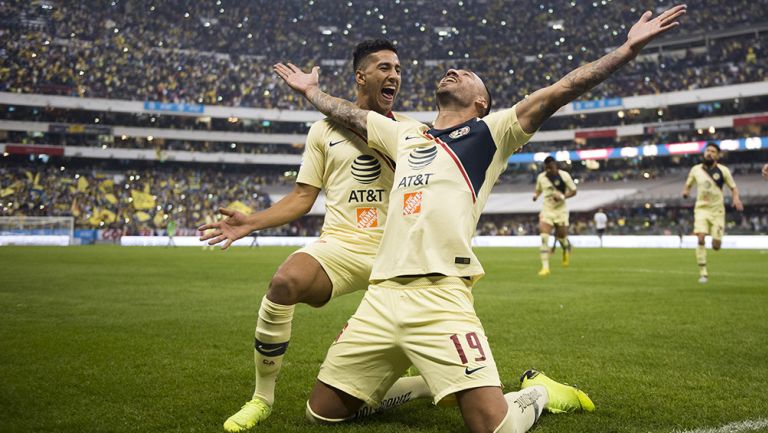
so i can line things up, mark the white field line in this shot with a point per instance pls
(691, 271)
(734, 427)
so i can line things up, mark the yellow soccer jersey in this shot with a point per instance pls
(709, 186)
(442, 181)
(550, 187)
(356, 179)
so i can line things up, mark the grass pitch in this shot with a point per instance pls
(111, 339)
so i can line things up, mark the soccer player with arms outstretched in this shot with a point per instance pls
(556, 185)
(709, 178)
(418, 309)
(357, 180)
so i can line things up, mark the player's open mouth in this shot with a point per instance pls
(388, 93)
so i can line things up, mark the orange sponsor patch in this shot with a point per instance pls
(367, 217)
(412, 203)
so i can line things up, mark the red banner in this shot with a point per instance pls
(601, 133)
(34, 150)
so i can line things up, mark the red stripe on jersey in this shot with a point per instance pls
(456, 160)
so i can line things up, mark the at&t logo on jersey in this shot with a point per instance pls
(366, 196)
(366, 169)
(422, 157)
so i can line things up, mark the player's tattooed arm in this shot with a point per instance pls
(543, 103)
(340, 110)
(337, 109)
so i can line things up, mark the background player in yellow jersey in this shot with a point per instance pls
(340, 261)
(709, 178)
(418, 308)
(556, 185)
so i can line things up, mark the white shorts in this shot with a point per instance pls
(426, 322)
(554, 218)
(348, 270)
(710, 223)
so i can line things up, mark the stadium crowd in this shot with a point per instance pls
(222, 52)
(135, 200)
(140, 198)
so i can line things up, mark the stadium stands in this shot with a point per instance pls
(219, 54)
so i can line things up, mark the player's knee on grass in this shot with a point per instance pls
(483, 409)
(318, 419)
(327, 404)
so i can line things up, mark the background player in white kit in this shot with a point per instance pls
(601, 223)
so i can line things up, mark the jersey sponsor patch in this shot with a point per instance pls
(459, 132)
(422, 157)
(412, 203)
(367, 217)
(366, 169)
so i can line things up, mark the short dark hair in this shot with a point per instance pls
(490, 98)
(549, 159)
(712, 144)
(367, 47)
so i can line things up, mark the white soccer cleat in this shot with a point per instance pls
(703, 279)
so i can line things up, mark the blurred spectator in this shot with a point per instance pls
(221, 52)
(134, 198)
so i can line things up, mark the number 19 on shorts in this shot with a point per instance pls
(472, 341)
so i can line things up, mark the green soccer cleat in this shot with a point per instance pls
(562, 398)
(252, 413)
(412, 371)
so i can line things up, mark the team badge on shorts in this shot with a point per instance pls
(412, 203)
(459, 132)
(367, 217)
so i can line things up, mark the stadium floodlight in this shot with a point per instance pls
(26, 230)
(327, 30)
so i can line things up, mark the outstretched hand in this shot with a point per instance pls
(297, 79)
(737, 204)
(231, 229)
(647, 29)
